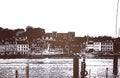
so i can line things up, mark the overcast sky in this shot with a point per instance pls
(84, 17)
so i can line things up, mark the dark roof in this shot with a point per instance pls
(22, 42)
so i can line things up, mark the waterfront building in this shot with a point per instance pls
(75, 47)
(59, 41)
(107, 46)
(56, 46)
(22, 45)
(54, 35)
(70, 36)
(48, 37)
(37, 45)
(103, 46)
(10, 47)
(90, 46)
(97, 46)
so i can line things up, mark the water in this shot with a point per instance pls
(54, 68)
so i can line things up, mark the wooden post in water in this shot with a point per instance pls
(16, 74)
(115, 60)
(106, 72)
(27, 71)
(83, 69)
(76, 67)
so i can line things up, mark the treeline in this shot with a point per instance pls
(34, 33)
(8, 33)
(31, 33)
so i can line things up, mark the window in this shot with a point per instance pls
(26, 48)
(18, 48)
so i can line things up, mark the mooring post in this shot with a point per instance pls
(106, 72)
(76, 67)
(115, 60)
(83, 69)
(16, 74)
(27, 71)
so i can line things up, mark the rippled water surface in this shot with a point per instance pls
(54, 68)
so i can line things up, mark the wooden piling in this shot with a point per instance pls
(75, 67)
(27, 71)
(106, 72)
(16, 74)
(115, 60)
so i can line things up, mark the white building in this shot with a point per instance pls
(97, 46)
(93, 46)
(89, 46)
(22, 47)
(106, 46)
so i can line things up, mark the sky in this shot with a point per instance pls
(84, 17)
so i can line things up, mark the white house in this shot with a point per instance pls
(22, 47)
(93, 46)
(106, 46)
(89, 45)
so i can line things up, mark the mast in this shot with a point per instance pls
(115, 58)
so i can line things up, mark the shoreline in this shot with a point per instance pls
(58, 56)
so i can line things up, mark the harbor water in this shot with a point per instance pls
(55, 68)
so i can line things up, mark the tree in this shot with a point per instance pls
(34, 33)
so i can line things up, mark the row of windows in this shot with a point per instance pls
(106, 46)
(99, 45)
(107, 43)
(24, 49)
(107, 49)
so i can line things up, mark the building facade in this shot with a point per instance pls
(22, 47)
(106, 46)
(10, 47)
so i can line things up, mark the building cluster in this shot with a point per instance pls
(65, 43)
(14, 46)
(60, 42)
(53, 42)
